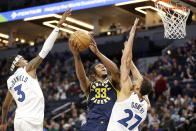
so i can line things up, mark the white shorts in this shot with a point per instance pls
(22, 125)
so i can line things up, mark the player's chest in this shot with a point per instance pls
(102, 93)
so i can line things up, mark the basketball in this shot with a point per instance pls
(82, 38)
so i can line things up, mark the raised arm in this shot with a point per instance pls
(80, 72)
(128, 50)
(110, 65)
(136, 76)
(5, 108)
(125, 81)
(48, 44)
(128, 54)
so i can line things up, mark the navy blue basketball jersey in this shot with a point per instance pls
(101, 99)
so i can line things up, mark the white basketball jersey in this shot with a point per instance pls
(128, 114)
(28, 96)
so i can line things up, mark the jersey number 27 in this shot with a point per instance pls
(124, 121)
(20, 93)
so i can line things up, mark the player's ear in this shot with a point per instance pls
(17, 64)
(93, 74)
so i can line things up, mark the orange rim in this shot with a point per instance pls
(170, 8)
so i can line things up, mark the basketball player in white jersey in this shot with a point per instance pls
(24, 88)
(132, 104)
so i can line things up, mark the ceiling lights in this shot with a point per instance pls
(130, 2)
(65, 25)
(69, 19)
(140, 9)
(47, 23)
(4, 36)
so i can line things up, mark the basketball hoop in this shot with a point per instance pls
(174, 17)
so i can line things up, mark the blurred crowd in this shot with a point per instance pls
(174, 96)
(173, 99)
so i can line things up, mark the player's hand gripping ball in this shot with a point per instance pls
(81, 39)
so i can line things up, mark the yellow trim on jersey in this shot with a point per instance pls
(87, 96)
(117, 91)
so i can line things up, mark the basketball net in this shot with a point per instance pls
(174, 18)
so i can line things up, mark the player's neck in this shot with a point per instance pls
(100, 79)
(139, 94)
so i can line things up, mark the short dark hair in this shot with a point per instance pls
(92, 71)
(92, 68)
(146, 86)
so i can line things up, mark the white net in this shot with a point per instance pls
(174, 20)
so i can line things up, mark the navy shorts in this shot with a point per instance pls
(95, 125)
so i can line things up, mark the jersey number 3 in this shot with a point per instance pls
(124, 121)
(20, 92)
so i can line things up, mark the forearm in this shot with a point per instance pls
(110, 65)
(135, 72)
(128, 49)
(80, 72)
(4, 114)
(48, 44)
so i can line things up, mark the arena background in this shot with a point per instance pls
(170, 64)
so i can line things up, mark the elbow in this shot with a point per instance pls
(82, 79)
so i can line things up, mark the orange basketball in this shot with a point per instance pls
(82, 38)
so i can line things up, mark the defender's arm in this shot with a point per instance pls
(48, 44)
(5, 108)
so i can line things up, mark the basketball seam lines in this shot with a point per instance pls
(79, 39)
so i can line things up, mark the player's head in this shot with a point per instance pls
(146, 86)
(98, 70)
(16, 61)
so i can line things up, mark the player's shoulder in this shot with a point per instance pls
(19, 70)
(9, 78)
(133, 94)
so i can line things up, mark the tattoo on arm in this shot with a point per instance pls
(34, 63)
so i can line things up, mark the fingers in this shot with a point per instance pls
(3, 128)
(92, 39)
(136, 21)
(92, 44)
(73, 45)
(68, 12)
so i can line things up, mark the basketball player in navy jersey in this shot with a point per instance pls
(101, 91)
(24, 88)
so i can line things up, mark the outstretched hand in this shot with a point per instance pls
(134, 26)
(3, 127)
(136, 21)
(93, 46)
(73, 46)
(64, 16)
